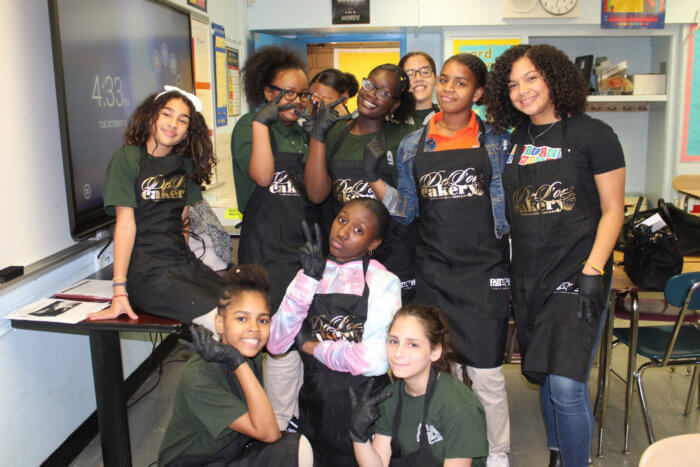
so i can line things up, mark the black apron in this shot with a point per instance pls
(460, 264)
(271, 234)
(245, 451)
(165, 278)
(423, 457)
(324, 404)
(348, 183)
(553, 223)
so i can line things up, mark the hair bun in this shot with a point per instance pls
(253, 275)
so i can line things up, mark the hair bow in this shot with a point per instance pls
(189, 96)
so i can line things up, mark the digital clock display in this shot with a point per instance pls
(113, 55)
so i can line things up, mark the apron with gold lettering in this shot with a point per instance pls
(165, 278)
(348, 183)
(271, 234)
(553, 222)
(460, 264)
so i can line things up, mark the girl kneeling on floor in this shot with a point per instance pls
(221, 414)
(426, 418)
(339, 309)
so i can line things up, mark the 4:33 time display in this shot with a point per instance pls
(108, 91)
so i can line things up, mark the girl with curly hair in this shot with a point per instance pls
(450, 185)
(564, 188)
(347, 158)
(150, 184)
(268, 147)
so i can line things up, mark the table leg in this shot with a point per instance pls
(109, 394)
(631, 366)
(604, 372)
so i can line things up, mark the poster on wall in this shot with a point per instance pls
(690, 151)
(220, 72)
(488, 49)
(350, 11)
(234, 82)
(632, 14)
(198, 4)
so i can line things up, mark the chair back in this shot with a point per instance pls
(680, 291)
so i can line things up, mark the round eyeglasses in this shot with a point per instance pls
(290, 95)
(425, 72)
(369, 86)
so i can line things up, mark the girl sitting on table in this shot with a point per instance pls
(150, 184)
(564, 189)
(221, 415)
(338, 309)
(427, 417)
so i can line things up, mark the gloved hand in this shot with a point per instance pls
(304, 335)
(364, 412)
(310, 254)
(374, 152)
(269, 113)
(309, 117)
(326, 118)
(591, 296)
(212, 351)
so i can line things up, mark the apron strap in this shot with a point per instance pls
(339, 142)
(423, 438)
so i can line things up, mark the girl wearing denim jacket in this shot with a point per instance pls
(450, 180)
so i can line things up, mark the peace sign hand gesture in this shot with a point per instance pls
(326, 118)
(364, 412)
(311, 254)
(269, 113)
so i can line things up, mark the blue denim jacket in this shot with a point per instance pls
(403, 203)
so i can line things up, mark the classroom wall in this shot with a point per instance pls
(46, 383)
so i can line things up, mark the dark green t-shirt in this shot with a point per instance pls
(419, 116)
(203, 409)
(353, 146)
(122, 173)
(287, 138)
(456, 424)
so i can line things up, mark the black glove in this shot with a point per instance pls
(309, 117)
(364, 412)
(213, 351)
(304, 335)
(310, 254)
(269, 113)
(591, 296)
(326, 118)
(375, 151)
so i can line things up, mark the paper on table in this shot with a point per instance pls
(88, 289)
(56, 311)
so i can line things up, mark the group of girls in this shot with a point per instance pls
(392, 213)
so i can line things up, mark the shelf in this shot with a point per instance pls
(628, 98)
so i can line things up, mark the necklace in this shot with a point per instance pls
(533, 138)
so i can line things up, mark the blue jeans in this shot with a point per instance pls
(568, 415)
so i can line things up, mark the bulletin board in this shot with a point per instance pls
(360, 62)
(690, 151)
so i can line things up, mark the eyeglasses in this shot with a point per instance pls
(425, 72)
(381, 94)
(290, 95)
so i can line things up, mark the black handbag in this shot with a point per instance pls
(651, 258)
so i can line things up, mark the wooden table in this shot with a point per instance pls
(108, 376)
(623, 285)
